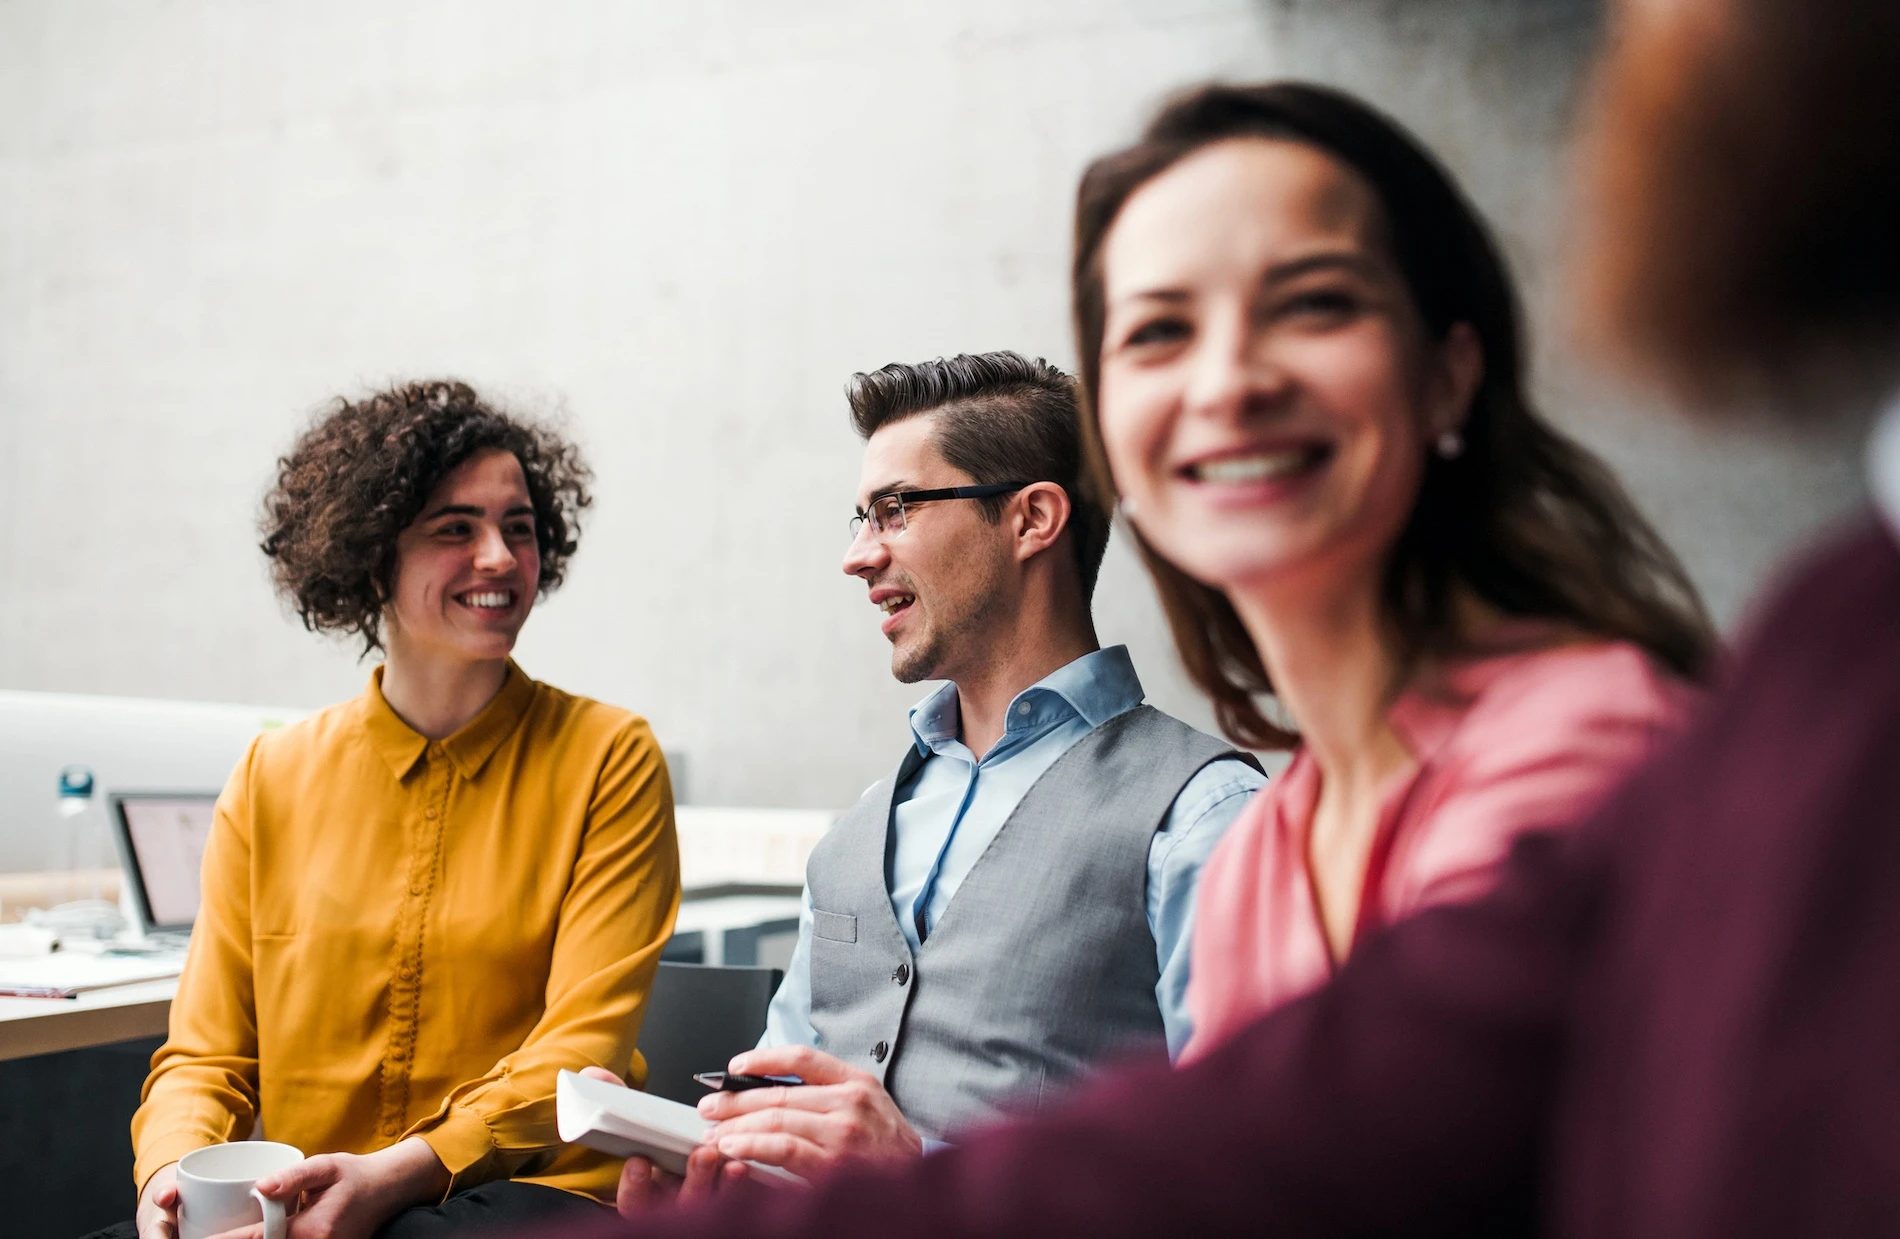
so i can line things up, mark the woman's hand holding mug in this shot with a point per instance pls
(350, 1195)
(157, 1216)
(213, 1191)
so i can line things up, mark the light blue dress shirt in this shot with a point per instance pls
(947, 813)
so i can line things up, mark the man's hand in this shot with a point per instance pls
(839, 1115)
(644, 1186)
(158, 1205)
(349, 1196)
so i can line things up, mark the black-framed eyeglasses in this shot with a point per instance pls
(886, 517)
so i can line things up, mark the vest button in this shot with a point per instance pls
(881, 1049)
(902, 974)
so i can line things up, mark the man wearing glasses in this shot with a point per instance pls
(1014, 902)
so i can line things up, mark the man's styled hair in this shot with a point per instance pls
(1000, 418)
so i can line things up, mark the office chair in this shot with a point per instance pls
(697, 1018)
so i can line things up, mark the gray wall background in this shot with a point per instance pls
(680, 227)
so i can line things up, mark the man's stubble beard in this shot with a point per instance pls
(951, 641)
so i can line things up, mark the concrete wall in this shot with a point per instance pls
(681, 227)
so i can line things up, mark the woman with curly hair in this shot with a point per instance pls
(421, 904)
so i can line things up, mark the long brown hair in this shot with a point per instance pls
(1524, 518)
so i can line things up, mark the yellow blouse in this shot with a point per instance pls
(399, 937)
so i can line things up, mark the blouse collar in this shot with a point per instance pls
(470, 748)
(1424, 719)
(1427, 716)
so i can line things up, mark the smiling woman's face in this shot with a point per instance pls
(1268, 391)
(468, 568)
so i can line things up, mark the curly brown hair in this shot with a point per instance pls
(359, 476)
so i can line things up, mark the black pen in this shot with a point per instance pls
(732, 1082)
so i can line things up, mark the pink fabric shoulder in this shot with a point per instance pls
(1519, 742)
(1543, 739)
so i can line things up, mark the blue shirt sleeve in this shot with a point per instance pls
(1203, 811)
(788, 1020)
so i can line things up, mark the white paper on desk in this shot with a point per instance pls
(624, 1122)
(73, 972)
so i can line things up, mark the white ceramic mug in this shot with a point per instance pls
(217, 1188)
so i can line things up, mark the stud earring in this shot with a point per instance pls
(1451, 445)
(1126, 507)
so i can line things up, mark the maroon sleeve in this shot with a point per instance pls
(1409, 1094)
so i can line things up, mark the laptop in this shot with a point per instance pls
(161, 838)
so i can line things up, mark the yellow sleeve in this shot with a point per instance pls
(615, 919)
(203, 1085)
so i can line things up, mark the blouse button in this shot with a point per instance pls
(406, 973)
(390, 1129)
(429, 813)
(415, 888)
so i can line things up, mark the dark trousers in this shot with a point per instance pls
(505, 1205)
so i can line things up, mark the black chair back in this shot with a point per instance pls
(698, 1017)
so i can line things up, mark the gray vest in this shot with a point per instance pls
(1042, 963)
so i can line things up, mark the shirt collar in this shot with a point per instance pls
(470, 748)
(1883, 465)
(1096, 687)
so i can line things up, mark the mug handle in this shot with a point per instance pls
(274, 1226)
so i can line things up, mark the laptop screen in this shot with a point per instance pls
(162, 839)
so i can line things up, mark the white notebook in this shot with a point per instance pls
(624, 1122)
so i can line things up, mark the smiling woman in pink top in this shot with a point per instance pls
(1302, 356)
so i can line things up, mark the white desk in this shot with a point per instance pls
(722, 846)
(748, 926)
(31, 1026)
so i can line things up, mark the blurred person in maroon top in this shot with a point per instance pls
(1683, 1018)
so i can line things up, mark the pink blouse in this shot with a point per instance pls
(1520, 741)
